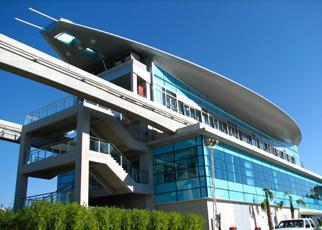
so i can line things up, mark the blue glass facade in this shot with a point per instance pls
(239, 176)
(174, 94)
(179, 171)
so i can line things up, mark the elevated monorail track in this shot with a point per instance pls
(33, 64)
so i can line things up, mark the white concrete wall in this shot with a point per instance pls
(232, 214)
(243, 216)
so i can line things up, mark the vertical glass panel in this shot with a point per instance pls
(189, 194)
(163, 149)
(238, 196)
(221, 184)
(250, 197)
(185, 144)
(219, 155)
(203, 192)
(167, 187)
(235, 186)
(220, 193)
(188, 184)
(165, 197)
(249, 189)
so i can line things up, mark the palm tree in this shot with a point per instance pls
(266, 206)
(298, 201)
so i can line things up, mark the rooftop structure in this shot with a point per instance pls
(146, 129)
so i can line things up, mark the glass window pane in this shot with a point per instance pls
(189, 194)
(237, 196)
(188, 184)
(167, 187)
(165, 197)
(185, 144)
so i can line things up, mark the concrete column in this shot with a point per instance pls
(134, 83)
(146, 164)
(82, 162)
(148, 90)
(22, 180)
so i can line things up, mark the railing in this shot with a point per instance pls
(66, 103)
(215, 121)
(51, 150)
(105, 147)
(10, 135)
(120, 116)
(64, 194)
(50, 109)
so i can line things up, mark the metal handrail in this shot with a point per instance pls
(50, 150)
(99, 145)
(7, 132)
(116, 114)
(50, 109)
(50, 196)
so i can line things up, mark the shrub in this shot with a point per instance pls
(43, 216)
(192, 221)
(8, 220)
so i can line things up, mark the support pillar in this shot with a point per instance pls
(22, 180)
(146, 164)
(148, 90)
(134, 83)
(82, 162)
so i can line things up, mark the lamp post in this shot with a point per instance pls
(212, 143)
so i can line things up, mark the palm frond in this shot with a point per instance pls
(300, 202)
(280, 204)
(263, 205)
(268, 193)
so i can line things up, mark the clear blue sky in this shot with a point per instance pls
(273, 47)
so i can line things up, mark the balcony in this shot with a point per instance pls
(51, 109)
(52, 150)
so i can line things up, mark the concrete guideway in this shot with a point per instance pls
(10, 131)
(28, 62)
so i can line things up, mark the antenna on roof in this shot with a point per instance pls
(42, 14)
(28, 23)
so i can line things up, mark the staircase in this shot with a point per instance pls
(114, 130)
(113, 171)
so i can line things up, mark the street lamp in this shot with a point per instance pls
(212, 143)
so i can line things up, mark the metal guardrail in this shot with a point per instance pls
(120, 116)
(10, 135)
(64, 194)
(50, 109)
(101, 146)
(66, 103)
(51, 150)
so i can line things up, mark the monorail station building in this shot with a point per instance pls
(146, 129)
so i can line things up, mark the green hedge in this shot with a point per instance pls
(43, 215)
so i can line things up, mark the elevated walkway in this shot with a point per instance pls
(10, 131)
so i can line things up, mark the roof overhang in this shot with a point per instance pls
(232, 97)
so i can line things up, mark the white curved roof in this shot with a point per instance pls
(232, 97)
